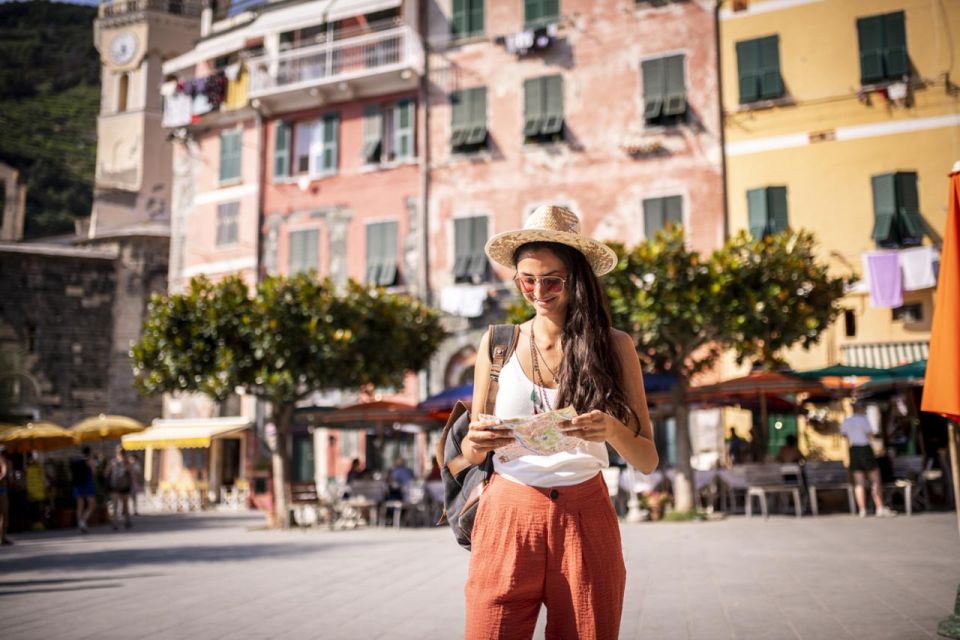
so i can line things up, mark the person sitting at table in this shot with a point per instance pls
(400, 475)
(356, 472)
(789, 453)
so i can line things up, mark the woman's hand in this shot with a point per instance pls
(595, 426)
(482, 438)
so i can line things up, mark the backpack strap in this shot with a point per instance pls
(503, 342)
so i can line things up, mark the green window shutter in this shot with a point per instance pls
(771, 82)
(388, 260)
(748, 70)
(230, 155)
(757, 212)
(459, 20)
(372, 134)
(295, 252)
(653, 220)
(870, 39)
(403, 129)
(777, 209)
(477, 121)
(912, 226)
(895, 58)
(331, 142)
(281, 150)
(461, 247)
(675, 93)
(551, 11)
(533, 91)
(303, 250)
(553, 105)
(478, 238)
(653, 84)
(375, 247)
(459, 117)
(475, 17)
(884, 208)
(532, 12)
(673, 211)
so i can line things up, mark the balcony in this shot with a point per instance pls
(216, 99)
(117, 8)
(370, 64)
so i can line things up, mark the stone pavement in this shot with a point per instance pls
(221, 576)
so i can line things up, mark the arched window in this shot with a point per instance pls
(123, 88)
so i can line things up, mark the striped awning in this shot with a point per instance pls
(883, 355)
(186, 433)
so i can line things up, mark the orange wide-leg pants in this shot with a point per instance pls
(559, 547)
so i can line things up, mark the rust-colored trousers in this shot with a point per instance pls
(559, 547)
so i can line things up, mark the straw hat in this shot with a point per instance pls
(550, 223)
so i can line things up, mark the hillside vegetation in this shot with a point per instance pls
(49, 99)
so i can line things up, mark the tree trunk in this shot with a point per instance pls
(683, 477)
(283, 417)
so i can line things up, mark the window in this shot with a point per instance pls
(467, 18)
(658, 213)
(849, 323)
(883, 48)
(664, 90)
(316, 146)
(303, 250)
(909, 313)
(227, 218)
(372, 149)
(281, 150)
(896, 210)
(470, 262)
(123, 92)
(403, 130)
(382, 254)
(537, 13)
(468, 119)
(758, 66)
(767, 211)
(543, 109)
(230, 155)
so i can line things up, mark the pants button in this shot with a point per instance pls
(554, 494)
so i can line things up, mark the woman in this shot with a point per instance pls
(546, 532)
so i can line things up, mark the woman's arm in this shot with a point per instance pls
(597, 426)
(480, 439)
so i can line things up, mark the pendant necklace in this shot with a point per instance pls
(540, 401)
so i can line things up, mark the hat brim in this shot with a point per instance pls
(501, 247)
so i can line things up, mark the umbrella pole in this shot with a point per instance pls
(764, 428)
(955, 470)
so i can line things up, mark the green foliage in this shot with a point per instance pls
(291, 337)
(49, 99)
(779, 294)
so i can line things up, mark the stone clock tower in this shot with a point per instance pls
(133, 172)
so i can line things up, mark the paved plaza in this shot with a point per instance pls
(223, 576)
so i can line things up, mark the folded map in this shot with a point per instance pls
(537, 435)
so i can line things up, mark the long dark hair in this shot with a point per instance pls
(590, 373)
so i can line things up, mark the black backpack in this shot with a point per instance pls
(462, 482)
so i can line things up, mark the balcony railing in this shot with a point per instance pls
(114, 8)
(334, 61)
(229, 8)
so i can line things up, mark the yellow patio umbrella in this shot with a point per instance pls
(105, 426)
(36, 436)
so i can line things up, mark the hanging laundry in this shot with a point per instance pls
(882, 270)
(177, 110)
(919, 266)
(465, 301)
(232, 71)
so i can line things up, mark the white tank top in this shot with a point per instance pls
(558, 470)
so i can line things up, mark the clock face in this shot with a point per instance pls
(122, 47)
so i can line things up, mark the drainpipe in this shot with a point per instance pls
(261, 183)
(423, 224)
(723, 150)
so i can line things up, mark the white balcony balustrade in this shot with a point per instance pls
(362, 62)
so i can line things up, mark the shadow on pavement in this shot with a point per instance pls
(20, 592)
(51, 581)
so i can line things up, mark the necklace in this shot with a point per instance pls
(540, 354)
(538, 385)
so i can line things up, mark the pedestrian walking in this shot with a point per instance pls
(120, 482)
(136, 474)
(546, 531)
(4, 498)
(857, 429)
(84, 488)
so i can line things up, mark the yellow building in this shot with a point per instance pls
(843, 117)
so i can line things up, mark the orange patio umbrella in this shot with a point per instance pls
(941, 389)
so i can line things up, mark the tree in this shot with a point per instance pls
(291, 337)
